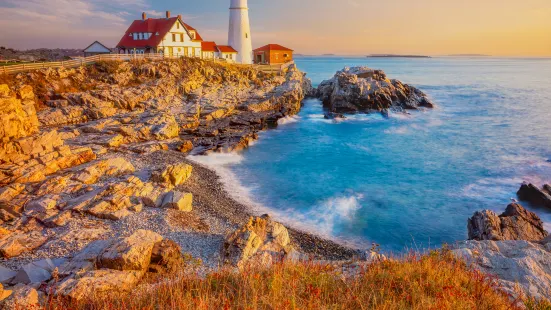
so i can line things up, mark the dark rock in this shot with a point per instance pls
(534, 195)
(516, 223)
(332, 115)
(165, 257)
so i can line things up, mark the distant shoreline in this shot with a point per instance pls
(396, 56)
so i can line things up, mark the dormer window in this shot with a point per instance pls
(140, 36)
(135, 36)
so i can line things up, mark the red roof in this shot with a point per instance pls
(208, 46)
(272, 47)
(226, 49)
(151, 25)
(198, 37)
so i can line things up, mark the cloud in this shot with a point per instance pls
(39, 23)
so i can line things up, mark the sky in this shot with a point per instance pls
(344, 27)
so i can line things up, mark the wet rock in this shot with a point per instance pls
(535, 195)
(516, 223)
(260, 242)
(332, 115)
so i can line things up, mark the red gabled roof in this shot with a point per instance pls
(154, 26)
(198, 37)
(226, 49)
(272, 47)
(208, 46)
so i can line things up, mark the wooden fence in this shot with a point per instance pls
(117, 57)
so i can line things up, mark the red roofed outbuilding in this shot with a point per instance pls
(272, 54)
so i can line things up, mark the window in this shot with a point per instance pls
(177, 25)
(135, 36)
(181, 37)
(140, 36)
(285, 55)
(246, 35)
(173, 37)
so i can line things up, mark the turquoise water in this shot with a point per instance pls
(410, 181)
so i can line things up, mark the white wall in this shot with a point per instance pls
(239, 34)
(167, 42)
(97, 48)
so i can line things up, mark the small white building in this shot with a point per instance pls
(96, 48)
(169, 36)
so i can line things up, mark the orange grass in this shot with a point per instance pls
(434, 281)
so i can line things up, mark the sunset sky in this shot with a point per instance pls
(347, 27)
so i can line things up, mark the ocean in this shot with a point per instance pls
(410, 181)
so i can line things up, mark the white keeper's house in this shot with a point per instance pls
(169, 36)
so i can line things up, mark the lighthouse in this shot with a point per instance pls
(239, 34)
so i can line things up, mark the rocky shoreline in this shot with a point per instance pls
(92, 160)
(97, 190)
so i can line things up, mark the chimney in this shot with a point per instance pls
(180, 17)
(144, 16)
(167, 14)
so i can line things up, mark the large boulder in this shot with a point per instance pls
(98, 283)
(179, 201)
(516, 223)
(514, 263)
(361, 89)
(130, 253)
(535, 195)
(258, 243)
(174, 174)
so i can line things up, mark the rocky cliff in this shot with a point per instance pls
(361, 89)
(514, 247)
(93, 169)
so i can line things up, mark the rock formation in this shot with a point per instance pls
(91, 156)
(514, 261)
(361, 89)
(516, 223)
(535, 195)
(260, 242)
(514, 247)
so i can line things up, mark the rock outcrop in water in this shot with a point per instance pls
(535, 195)
(361, 89)
(516, 223)
(513, 246)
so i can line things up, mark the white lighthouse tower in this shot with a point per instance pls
(239, 35)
